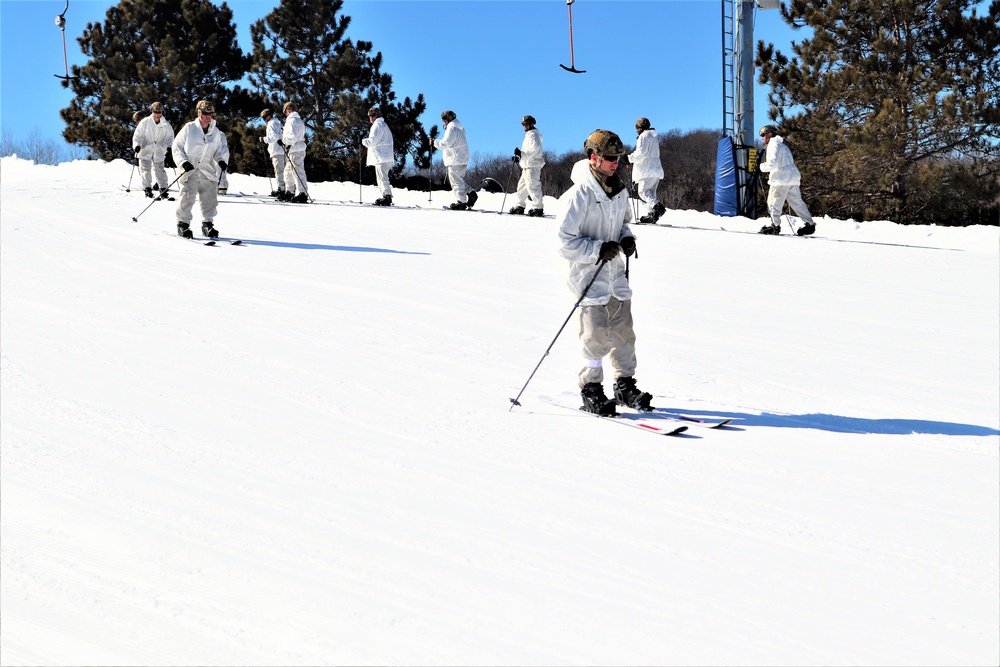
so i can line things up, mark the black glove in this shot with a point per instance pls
(280, 142)
(609, 250)
(137, 149)
(168, 159)
(223, 164)
(187, 166)
(516, 159)
(628, 246)
(517, 152)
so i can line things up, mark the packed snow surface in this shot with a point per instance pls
(301, 450)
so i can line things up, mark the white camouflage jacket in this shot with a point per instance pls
(294, 134)
(587, 217)
(453, 145)
(153, 138)
(379, 143)
(646, 156)
(202, 148)
(780, 164)
(531, 150)
(272, 135)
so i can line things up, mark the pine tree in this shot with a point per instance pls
(892, 108)
(172, 51)
(300, 54)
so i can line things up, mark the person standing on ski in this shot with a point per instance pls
(593, 219)
(380, 154)
(648, 170)
(150, 141)
(204, 154)
(294, 138)
(782, 184)
(531, 159)
(272, 140)
(455, 155)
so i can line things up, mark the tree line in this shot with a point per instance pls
(892, 107)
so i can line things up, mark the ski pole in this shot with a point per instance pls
(156, 199)
(130, 177)
(788, 219)
(633, 194)
(507, 187)
(600, 265)
(360, 197)
(267, 154)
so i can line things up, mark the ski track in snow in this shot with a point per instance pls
(301, 450)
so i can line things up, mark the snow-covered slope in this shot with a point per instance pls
(302, 450)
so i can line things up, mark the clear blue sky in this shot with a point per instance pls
(490, 61)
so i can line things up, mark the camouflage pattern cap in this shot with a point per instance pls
(603, 142)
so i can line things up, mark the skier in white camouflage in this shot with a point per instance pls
(151, 140)
(272, 140)
(782, 184)
(455, 156)
(204, 155)
(531, 159)
(647, 170)
(380, 154)
(593, 218)
(294, 137)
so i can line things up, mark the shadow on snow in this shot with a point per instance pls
(840, 424)
(320, 246)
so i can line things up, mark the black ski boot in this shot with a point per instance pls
(156, 186)
(473, 198)
(384, 201)
(149, 192)
(284, 195)
(647, 219)
(658, 211)
(517, 210)
(536, 213)
(595, 401)
(301, 198)
(457, 206)
(627, 394)
(208, 230)
(806, 229)
(184, 230)
(772, 229)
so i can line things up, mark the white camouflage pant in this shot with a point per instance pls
(195, 185)
(529, 186)
(382, 179)
(607, 330)
(147, 169)
(647, 192)
(295, 173)
(278, 162)
(456, 176)
(777, 195)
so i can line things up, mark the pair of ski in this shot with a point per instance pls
(656, 421)
(200, 240)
